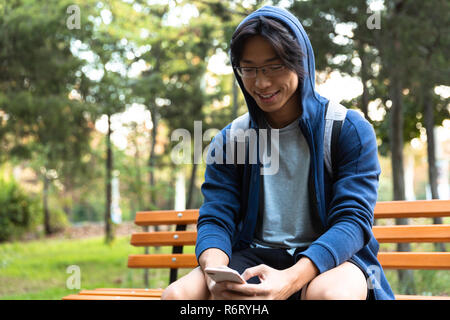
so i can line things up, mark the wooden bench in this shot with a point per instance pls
(384, 234)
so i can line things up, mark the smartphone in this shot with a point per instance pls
(224, 274)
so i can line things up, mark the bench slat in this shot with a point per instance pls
(389, 260)
(150, 218)
(163, 238)
(414, 260)
(383, 209)
(125, 294)
(106, 297)
(412, 209)
(416, 297)
(174, 261)
(115, 292)
(154, 291)
(412, 233)
(384, 234)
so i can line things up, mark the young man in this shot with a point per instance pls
(301, 231)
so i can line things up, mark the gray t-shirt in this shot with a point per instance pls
(285, 219)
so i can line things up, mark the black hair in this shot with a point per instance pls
(282, 40)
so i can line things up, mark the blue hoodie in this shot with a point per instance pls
(231, 192)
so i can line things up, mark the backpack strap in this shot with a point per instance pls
(334, 119)
(239, 126)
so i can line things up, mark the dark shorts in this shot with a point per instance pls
(275, 258)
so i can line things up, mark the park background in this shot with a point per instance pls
(90, 92)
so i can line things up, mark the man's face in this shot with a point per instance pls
(273, 94)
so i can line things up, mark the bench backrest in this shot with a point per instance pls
(384, 234)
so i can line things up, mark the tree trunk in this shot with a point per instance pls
(151, 178)
(235, 100)
(364, 79)
(190, 194)
(396, 137)
(68, 193)
(406, 277)
(151, 158)
(137, 164)
(47, 227)
(431, 154)
(109, 236)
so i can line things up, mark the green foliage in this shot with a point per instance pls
(58, 219)
(18, 211)
(413, 52)
(86, 212)
(43, 62)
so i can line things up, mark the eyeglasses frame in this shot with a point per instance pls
(239, 71)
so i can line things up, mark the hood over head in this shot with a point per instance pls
(311, 101)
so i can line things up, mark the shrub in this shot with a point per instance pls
(58, 220)
(86, 212)
(18, 211)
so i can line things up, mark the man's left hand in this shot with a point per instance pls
(275, 285)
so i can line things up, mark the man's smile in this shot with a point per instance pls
(268, 97)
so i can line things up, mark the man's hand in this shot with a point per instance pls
(219, 290)
(214, 257)
(275, 285)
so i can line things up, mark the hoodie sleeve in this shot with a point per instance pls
(221, 192)
(354, 195)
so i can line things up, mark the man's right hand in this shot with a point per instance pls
(215, 288)
(214, 257)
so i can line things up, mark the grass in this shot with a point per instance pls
(38, 269)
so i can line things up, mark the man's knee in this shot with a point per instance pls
(189, 287)
(345, 282)
(173, 292)
(322, 291)
(317, 292)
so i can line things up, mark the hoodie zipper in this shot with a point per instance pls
(314, 201)
(254, 171)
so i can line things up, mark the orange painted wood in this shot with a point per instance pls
(383, 209)
(155, 291)
(172, 238)
(129, 293)
(415, 297)
(414, 260)
(95, 297)
(174, 261)
(389, 260)
(149, 218)
(384, 234)
(412, 209)
(412, 233)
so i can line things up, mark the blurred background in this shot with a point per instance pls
(91, 91)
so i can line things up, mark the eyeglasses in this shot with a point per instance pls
(269, 70)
